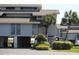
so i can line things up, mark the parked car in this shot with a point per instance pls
(77, 42)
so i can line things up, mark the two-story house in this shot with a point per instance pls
(19, 22)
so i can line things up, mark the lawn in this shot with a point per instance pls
(74, 49)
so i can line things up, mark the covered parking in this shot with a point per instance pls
(3, 42)
(23, 42)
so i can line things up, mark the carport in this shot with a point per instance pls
(23, 42)
(3, 42)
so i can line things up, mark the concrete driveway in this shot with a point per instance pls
(32, 52)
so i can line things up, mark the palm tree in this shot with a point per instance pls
(48, 20)
(75, 18)
(69, 19)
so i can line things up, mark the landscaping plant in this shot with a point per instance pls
(42, 43)
(60, 45)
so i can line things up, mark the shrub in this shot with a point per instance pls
(62, 45)
(41, 38)
(46, 43)
(43, 46)
(33, 45)
(33, 36)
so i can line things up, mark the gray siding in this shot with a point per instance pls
(41, 30)
(26, 30)
(35, 29)
(5, 29)
(70, 36)
(52, 30)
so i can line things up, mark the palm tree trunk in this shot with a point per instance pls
(67, 32)
(46, 28)
(66, 35)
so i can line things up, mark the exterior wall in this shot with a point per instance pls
(41, 29)
(26, 30)
(52, 30)
(35, 29)
(70, 36)
(5, 30)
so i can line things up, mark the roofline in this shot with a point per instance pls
(51, 10)
(20, 5)
(47, 12)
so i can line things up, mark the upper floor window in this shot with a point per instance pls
(29, 9)
(12, 29)
(10, 8)
(39, 18)
(18, 29)
(15, 29)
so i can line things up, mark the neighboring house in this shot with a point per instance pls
(19, 22)
(73, 32)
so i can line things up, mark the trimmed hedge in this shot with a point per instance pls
(46, 43)
(60, 45)
(43, 46)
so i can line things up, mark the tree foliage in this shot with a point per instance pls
(48, 20)
(70, 17)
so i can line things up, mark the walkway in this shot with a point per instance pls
(32, 52)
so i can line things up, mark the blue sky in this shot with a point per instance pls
(62, 8)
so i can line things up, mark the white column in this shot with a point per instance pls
(15, 41)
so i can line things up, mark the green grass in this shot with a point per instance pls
(74, 49)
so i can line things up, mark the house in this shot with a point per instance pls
(19, 22)
(73, 32)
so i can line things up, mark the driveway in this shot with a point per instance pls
(32, 52)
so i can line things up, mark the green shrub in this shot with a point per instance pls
(33, 45)
(33, 36)
(46, 43)
(41, 38)
(59, 45)
(43, 46)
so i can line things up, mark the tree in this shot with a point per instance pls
(70, 16)
(75, 18)
(69, 19)
(48, 20)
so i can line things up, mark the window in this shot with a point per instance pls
(39, 18)
(15, 29)
(12, 29)
(10, 8)
(29, 9)
(18, 29)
